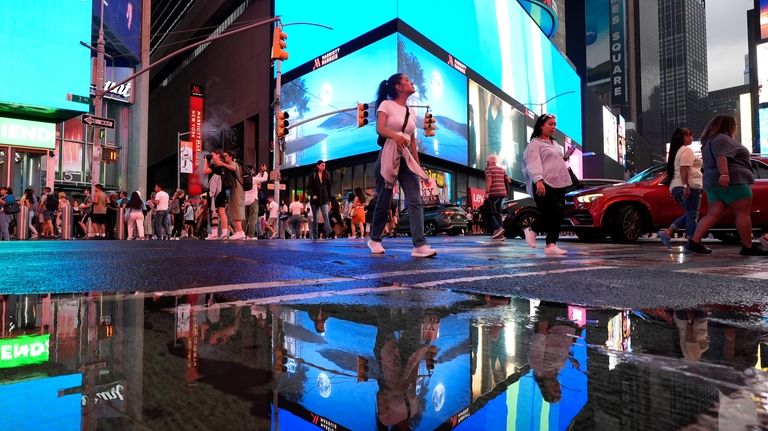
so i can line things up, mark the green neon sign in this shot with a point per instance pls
(23, 133)
(24, 350)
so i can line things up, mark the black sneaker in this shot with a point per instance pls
(697, 247)
(755, 250)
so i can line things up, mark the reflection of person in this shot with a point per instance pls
(398, 160)
(548, 175)
(685, 183)
(693, 333)
(550, 347)
(727, 179)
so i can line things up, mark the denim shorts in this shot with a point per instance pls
(730, 194)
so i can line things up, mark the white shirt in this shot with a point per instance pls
(250, 195)
(273, 209)
(396, 116)
(162, 200)
(686, 157)
(297, 208)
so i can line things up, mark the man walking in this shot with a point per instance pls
(162, 225)
(99, 216)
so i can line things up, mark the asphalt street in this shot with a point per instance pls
(637, 275)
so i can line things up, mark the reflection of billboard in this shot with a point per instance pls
(24, 350)
(495, 128)
(622, 141)
(763, 19)
(762, 72)
(42, 404)
(610, 137)
(597, 41)
(332, 87)
(36, 43)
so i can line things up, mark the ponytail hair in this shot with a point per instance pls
(387, 89)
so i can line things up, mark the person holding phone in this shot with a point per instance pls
(547, 179)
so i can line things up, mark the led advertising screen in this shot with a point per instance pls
(610, 135)
(42, 57)
(622, 141)
(42, 403)
(598, 42)
(332, 87)
(763, 19)
(763, 119)
(495, 127)
(122, 25)
(762, 72)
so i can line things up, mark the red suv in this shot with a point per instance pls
(643, 205)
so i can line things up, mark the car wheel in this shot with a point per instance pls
(526, 219)
(590, 236)
(627, 224)
(430, 229)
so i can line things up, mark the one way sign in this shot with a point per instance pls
(98, 121)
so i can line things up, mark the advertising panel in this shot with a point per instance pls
(544, 13)
(495, 127)
(610, 135)
(331, 88)
(598, 42)
(618, 53)
(196, 102)
(42, 404)
(762, 115)
(762, 72)
(622, 141)
(24, 350)
(763, 19)
(30, 134)
(38, 42)
(122, 25)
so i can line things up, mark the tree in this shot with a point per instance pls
(408, 64)
(294, 94)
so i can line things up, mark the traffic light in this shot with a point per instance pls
(278, 44)
(429, 124)
(108, 155)
(430, 358)
(362, 114)
(362, 369)
(282, 124)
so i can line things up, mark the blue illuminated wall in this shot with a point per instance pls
(42, 58)
(38, 404)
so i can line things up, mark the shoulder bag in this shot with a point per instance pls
(381, 140)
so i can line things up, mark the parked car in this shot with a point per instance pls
(441, 218)
(643, 205)
(519, 214)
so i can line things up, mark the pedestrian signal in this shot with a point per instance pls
(429, 124)
(278, 44)
(108, 155)
(362, 114)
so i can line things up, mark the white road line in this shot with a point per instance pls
(752, 271)
(248, 286)
(494, 277)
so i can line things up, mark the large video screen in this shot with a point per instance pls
(763, 19)
(122, 23)
(495, 127)
(763, 123)
(598, 42)
(42, 57)
(622, 141)
(762, 73)
(40, 403)
(610, 135)
(334, 87)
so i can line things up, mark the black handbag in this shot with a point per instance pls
(11, 208)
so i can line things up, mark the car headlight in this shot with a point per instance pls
(589, 198)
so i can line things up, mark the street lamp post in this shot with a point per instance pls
(541, 105)
(98, 105)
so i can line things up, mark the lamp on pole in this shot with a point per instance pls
(541, 105)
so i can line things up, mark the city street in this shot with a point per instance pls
(289, 335)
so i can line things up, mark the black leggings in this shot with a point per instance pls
(552, 208)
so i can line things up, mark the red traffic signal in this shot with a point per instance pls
(279, 44)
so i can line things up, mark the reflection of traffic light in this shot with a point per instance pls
(108, 155)
(429, 357)
(105, 330)
(362, 369)
(429, 124)
(281, 358)
(362, 114)
(282, 124)
(278, 44)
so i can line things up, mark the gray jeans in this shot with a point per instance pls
(409, 182)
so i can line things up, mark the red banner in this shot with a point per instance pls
(196, 136)
(476, 197)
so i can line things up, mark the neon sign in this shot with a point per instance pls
(25, 350)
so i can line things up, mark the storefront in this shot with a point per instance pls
(24, 149)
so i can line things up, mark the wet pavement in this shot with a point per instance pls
(303, 335)
(418, 359)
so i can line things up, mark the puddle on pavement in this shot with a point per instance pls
(95, 361)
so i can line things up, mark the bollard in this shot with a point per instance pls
(67, 222)
(120, 227)
(22, 223)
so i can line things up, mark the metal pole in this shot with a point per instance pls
(66, 222)
(278, 144)
(178, 159)
(98, 105)
(22, 223)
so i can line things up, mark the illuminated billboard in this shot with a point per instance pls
(597, 42)
(332, 87)
(610, 135)
(30, 134)
(50, 403)
(42, 59)
(762, 72)
(24, 350)
(763, 19)
(122, 26)
(622, 141)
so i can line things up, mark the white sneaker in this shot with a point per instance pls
(530, 237)
(763, 241)
(212, 236)
(554, 250)
(498, 234)
(224, 234)
(375, 246)
(238, 235)
(423, 251)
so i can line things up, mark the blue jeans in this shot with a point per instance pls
(494, 221)
(326, 220)
(5, 221)
(162, 224)
(409, 182)
(691, 207)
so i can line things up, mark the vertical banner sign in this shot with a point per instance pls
(186, 157)
(618, 53)
(196, 96)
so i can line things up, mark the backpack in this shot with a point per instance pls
(51, 202)
(247, 178)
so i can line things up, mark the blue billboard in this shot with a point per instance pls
(42, 57)
(50, 403)
(122, 27)
(349, 80)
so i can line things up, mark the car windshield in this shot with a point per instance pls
(647, 174)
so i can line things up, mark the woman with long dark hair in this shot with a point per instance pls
(319, 187)
(398, 160)
(136, 215)
(685, 183)
(547, 178)
(728, 178)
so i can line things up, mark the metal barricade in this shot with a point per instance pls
(121, 225)
(22, 223)
(67, 222)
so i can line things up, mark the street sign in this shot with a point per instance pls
(78, 99)
(92, 120)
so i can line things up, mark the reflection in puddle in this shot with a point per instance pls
(124, 362)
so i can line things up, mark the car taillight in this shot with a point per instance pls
(447, 213)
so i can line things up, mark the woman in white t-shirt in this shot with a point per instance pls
(398, 161)
(685, 184)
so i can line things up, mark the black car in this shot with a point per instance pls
(519, 214)
(441, 218)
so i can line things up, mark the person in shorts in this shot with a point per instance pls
(99, 215)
